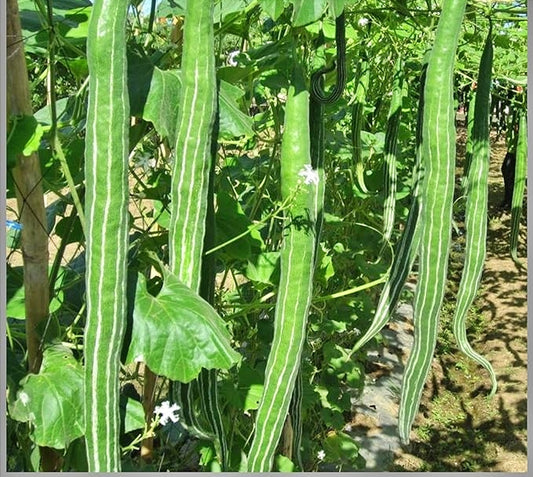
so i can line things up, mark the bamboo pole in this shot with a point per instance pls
(30, 202)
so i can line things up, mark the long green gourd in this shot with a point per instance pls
(317, 101)
(390, 151)
(407, 249)
(519, 184)
(190, 184)
(190, 172)
(296, 280)
(316, 133)
(438, 155)
(476, 209)
(106, 206)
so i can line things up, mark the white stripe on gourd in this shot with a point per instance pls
(106, 202)
(476, 209)
(438, 155)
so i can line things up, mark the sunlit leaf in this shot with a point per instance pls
(274, 8)
(24, 137)
(341, 448)
(178, 333)
(261, 268)
(52, 401)
(161, 106)
(307, 11)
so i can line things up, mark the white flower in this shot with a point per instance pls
(348, 428)
(363, 22)
(145, 161)
(166, 411)
(231, 57)
(24, 398)
(321, 455)
(309, 174)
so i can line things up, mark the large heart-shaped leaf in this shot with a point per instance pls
(177, 333)
(53, 399)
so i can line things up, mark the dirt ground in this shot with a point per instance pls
(458, 428)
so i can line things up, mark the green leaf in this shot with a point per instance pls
(70, 230)
(262, 267)
(341, 448)
(307, 11)
(274, 8)
(230, 223)
(161, 213)
(134, 415)
(326, 270)
(251, 387)
(15, 372)
(178, 333)
(223, 9)
(70, 19)
(233, 122)
(140, 73)
(283, 464)
(161, 106)
(375, 141)
(235, 74)
(53, 399)
(15, 307)
(24, 137)
(335, 7)
(62, 106)
(246, 393)
(168, 8)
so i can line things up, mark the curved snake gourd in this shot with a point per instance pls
(476, 209)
